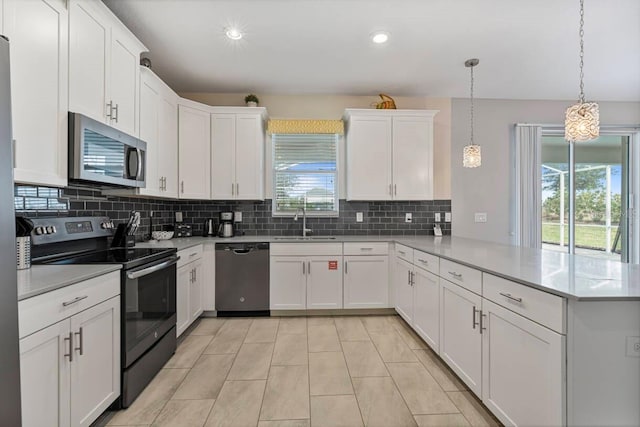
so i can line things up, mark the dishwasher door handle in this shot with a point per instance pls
(242, 251)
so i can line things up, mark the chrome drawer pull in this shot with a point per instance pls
(366, 249)
(512, 298)
(75, 300)
(424, 261)
(456, 275)
(402, 252)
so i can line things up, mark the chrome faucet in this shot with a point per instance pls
(305, 230)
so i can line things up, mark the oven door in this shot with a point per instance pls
(148, 307)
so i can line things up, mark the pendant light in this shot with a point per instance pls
(582, 120)
(472, 156)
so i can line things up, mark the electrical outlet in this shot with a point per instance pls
(437, 217)
(408, 217)
(359, 217)
(480, 217)
(633, 346)
(447, 217)
(237, 217)
(178, 216)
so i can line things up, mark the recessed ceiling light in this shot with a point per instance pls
(233, 33)
(380, 37)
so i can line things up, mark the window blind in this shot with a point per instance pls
(305, 173)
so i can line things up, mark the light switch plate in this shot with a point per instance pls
(447, 217)
(178, 216)
(237, 217)
(408, 217)
(480, 217)
(437, 216)
(359, 217)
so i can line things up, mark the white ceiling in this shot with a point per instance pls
(528, 49)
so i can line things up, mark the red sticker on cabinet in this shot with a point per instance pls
(333, 265)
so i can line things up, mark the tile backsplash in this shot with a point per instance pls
(379, 218)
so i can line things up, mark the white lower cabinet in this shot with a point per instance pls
(183, 285)
(366, 281)
(70, 371)
(403, 283)
(189, 288)
(426, 307)
(324, 282)
(195, 292)
(460, 338)
(522, 369)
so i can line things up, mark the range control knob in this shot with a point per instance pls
(50, 229)
(39, 230)
(104, 225)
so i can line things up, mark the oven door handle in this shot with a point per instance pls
(149, 270)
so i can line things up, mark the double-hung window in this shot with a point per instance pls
(305, 174)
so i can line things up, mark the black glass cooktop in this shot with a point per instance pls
(115, 256)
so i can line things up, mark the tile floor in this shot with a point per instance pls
(297, 371)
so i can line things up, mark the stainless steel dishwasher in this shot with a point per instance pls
(242, 279)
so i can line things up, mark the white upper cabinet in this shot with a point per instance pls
(37, 31)
(194, 140)
(168, 142)
(103, 66)
(149, 126)
(389, 154)
(237, 153)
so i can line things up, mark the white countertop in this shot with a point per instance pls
(576, 277)
(45, 278)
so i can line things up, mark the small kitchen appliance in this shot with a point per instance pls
(209, 228)
(183, 230)
(226, 224)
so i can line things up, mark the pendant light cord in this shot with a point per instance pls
(581, 33)
(472, 104)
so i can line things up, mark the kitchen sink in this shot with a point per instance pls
(305, 238)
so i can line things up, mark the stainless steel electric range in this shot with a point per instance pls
(148, 291)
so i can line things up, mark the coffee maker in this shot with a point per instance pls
(226, 224)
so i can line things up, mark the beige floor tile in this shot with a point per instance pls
(410, 338)
(472, 410)
(188, 352)
(421, 392)
(252, 362)
(230, 337)
(151, 401)
(391, 347)
(328, 375)
(206, 378)
(292, 325)
(351, 329)
(323, 338)
(439, 371)
(262, 330)
(290, 349)
(442, 420)
(238, 404)
(208, 326)
(335, 411)
(285, 423)
(184, 413)
(377, 323)
(287, 394)
(363, 359)
(381, 403)
(320, 320)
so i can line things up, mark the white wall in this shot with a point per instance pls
(487, 188)
(332, 107)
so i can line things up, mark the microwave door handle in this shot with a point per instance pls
(146, 271)
(140, 173)
(127, 163)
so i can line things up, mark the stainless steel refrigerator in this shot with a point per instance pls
(9, 344)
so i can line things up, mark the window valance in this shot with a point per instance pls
(305, 126)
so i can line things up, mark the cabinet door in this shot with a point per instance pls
(369, 158)
(124, 74)
(95, 370)
(412, 158)
(168, 141)
(89, 37)
(324, 282)
(194, 135)
(149, 130)
(208, 278)
(366, 281)
(460, 338)
(426, 307)
(522, 362)
(195, 292)
(404, 289)
(39, 86)
(223, 137)
(45, 378)
(249, 157)
(288, 283)
(183, 287)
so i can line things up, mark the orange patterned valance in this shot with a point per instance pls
(305, 126)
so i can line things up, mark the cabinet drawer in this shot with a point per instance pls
(363, 248)
(43, 310)
(462, 275)
(305, 249)
(426, 261)
(404, 252)
(189, 255)
(539, 306)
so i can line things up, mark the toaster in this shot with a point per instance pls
(183, 230)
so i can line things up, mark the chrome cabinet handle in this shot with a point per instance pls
(473, 321)
(409, 278)
(424, 261)
(366, 249)
(412, 277)
(456, 275)
(116, 116)
(75, 300)
(346, 270)
(182, 186)
(309, 268)
(237, 189)
(110, 107)
(482, 316)
(511, 297)
(80, 341)
(195, 274)
(402, 252)
(304, 266)
(193, 254)
(70, 354)
(233, 193)
(395, 189)
(161, 188)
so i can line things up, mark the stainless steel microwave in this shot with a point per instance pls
(101, 154)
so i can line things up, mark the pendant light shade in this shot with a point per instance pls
(471, 154)
(582, 120)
